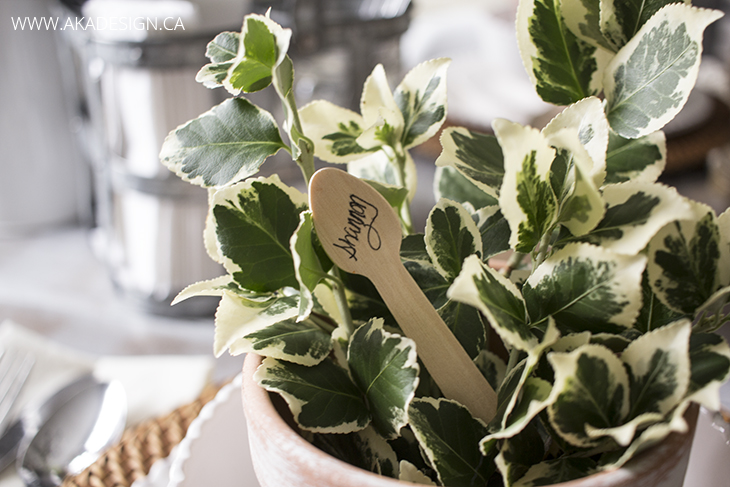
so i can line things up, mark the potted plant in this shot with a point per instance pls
(596, 330)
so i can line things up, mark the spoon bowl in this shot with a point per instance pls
(87, 417)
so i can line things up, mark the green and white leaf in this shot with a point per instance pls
(449, 437)
(580, 205)
(709, 356)
(526, 197)
(658, 365)
(557, 471)
(635, 212)
(654, 314)
(410, 473)
(624, 434)
(588, 120)
(649, 80)
(322, 399)
(684, 261)
(498, 299)
(378, 167)
(237, 317)
(451, 237)
(591, 388)
(712, 314)
(364, 449)
(511, 414)
(641, 159)
(586, 288)
(385, 368)
(252, 223)
(263, 46)
(477, 156)
(376, 97)
(300, 342)
(385, 132)
(659, 368)
(466, 324)
(563, 68)
(494, 230)
(518, 453)
(211, 287)
(451, 184)
(582, 17)
(533, 399)
(492, 367)
(221, 51)
(620, 21)
(421, 98)
(228, 143)
(311, 263)
(648, 438)
(333, 130)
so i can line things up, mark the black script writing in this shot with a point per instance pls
(360, 214)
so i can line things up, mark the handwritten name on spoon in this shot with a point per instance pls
(361, 214)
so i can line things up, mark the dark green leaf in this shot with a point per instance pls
(385, 368)
(476, 156)
(499, 300)
(466, 324)
(643, 158)
(299, 342)
(449, 437)
(494, 230)
(322, 398)
(226, 144)
(364, 449)
(451, 237)
(709, 355)
(221, 51)
(683, 263)
(629, 17)
(253, 229)
(453, 185)
(592, 389)
(586, 288)
(658, 366)
(561, 65)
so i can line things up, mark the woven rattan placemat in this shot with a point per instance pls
(140, 447)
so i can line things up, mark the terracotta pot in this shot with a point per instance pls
(283, 458)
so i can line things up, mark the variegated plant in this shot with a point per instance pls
(603, 311)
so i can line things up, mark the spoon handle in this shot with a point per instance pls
(452, 369)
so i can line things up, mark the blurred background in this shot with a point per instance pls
(97, 237)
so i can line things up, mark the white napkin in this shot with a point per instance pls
(155, 385)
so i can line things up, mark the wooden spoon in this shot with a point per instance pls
(362, 235)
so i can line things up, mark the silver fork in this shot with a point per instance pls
(14, 369)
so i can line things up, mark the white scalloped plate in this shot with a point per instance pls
(215, 449)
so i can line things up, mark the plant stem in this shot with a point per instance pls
(306, 158)
(514, 261)
(514, 355)
(542, 249)
(322, 323)
(405, 213)
(341, 299)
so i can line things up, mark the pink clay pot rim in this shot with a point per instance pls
(262, 417)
